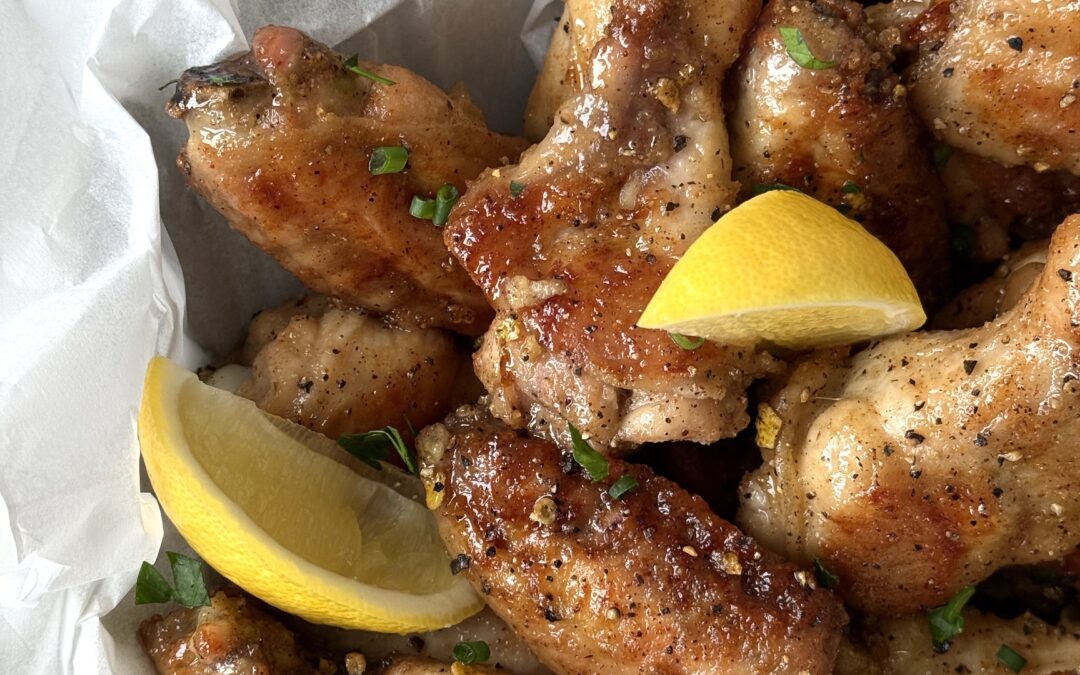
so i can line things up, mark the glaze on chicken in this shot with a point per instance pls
(280, 143)
(928, 461)
(570, 244)
(649, 582)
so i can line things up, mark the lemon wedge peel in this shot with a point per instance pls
(785, 268)
(232, 542)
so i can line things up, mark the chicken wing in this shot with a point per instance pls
(280, 141)
(996, 78)
(337, 371)
(570, 244)
(650, 581)
(927, 461)
(843, 133)
(904, 646)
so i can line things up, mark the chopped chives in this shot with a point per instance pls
(1011, 658)
(516, 189)
(825, 578)
(422, 208)
(445, 199)
(621, 487)
(468, 653)
(595, 464)
(388, 159)
(685, 342)
(351, 64)
(947, 621)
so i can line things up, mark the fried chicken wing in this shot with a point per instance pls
(996, 78)
(233, 636)
(337, 370)
(280, 141)
(904, 646)
(570, 244)
(648, 582)
(927, 461)
(843, 134)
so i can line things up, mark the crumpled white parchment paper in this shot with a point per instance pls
(91, 286)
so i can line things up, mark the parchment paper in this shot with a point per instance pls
(106, 259)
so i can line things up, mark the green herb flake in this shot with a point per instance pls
(947, 621)
(422, 208)
(225, 80)
(799, 51)
(942, 153)
(167, 84)
(388, 159)
(352, 65)
(468, 653)
(187, 577)
(850, 187)
(595, 464)
(689, 344)
(373, 447)
(445, 199)
(825, 578)
(151, 587)
(623, 486)
(516, 189)
(1010, 658)
(761, 188)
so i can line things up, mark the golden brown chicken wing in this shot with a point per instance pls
(649, 581)
(570, 244)
(842, 133)
(928, 461)
(280, 143)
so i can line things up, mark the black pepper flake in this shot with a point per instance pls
(717, 609)
(669, 649)
(969, 365)
(715, 215)
(920, 405)
(948, 72)
(678, 143)
(915, 473)
(980, 440)
(1016, 43)
(417, 643)
(438, 487)
(485, 588)
(650, 258)
(913, 435)
(665, 610)
(459, 563)
(1065, 274)
(550, 615)
(591, 328)
(306, 385)
(670, 206)
(997, 492)
(490, 552)
(888, 450)
(556, 563)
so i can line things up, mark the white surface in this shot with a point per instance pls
(91, 288)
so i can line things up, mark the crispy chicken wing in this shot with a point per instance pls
(904, 646)
(928, 461)
(997, 78)
(570, 244)
(233, 636)
(280, 142)
(337, 370)
(843, 134)
(650, 582)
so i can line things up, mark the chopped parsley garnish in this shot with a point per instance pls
(468, 653)
(621, 487)
(351, 64)
(850, 187)
(825, 578)
(388, 159)
(167, 84)
(761, 188)
(595, 465)
(228, 80)
(516, 189)
(445, 199)
(947, 621)
(686, 343)
(942, 153)
(1010, 658)
(422, 208)
(373, 447)
(798, 50)
(190, 591)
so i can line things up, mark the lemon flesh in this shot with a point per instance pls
(291, 518)
(785, 268)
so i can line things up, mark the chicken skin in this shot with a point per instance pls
(996, 78)
(843, 134)
(926, 462)
(280, 141)
(338, 371)
(570, 244)
(904, 646)
(648, 582)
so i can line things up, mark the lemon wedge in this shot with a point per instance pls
(290, 517)
(785, 268)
